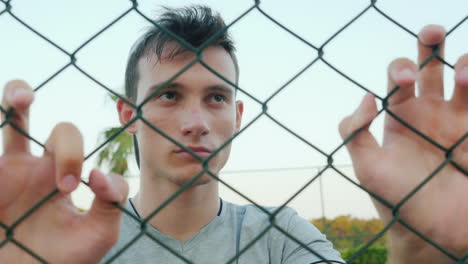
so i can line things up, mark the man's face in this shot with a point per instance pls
(197, 109)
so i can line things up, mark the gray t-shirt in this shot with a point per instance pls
(229, 233)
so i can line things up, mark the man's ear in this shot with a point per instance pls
(239, 112)
(126, 114)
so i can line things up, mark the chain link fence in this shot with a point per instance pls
(7, 10)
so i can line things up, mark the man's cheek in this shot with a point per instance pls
(228, 132)
(165, 122)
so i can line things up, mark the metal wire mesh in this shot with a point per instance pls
(7, 9)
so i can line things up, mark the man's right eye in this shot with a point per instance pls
(168, 96)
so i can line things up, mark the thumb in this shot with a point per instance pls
(361, 144)
(108, 189)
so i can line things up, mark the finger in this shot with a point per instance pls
(19, 96)
(108, 189)
(460, 94)
(432, 74)
(401, 72)
(362, 147)
(65, 145)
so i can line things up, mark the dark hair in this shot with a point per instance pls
(194, 24)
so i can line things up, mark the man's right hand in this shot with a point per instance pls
(56, 231)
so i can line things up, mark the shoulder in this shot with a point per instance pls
(257, 213)
(289, 237)
(282, 219)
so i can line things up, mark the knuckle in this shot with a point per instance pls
(344, 127)
(70, 160)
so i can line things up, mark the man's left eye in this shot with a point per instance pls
(217, 98)
(168, 96)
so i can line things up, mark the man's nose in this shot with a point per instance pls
(194, 122)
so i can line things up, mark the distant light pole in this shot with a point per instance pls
(321, 198)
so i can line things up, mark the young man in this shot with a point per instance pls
(199, 110)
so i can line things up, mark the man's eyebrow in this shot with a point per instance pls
(222, 88)
(161, 86)
(176, 85)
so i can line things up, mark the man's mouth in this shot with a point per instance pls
(199, 150)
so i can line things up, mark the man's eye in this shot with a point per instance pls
(217, 98)
(168, 96)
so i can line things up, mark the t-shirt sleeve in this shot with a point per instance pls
(319, 249)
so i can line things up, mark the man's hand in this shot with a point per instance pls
(439, 209)
(56, 231)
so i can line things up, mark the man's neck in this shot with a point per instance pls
(185, 215)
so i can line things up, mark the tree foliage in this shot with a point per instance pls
(113, 156)
(371, 255)
(346, 232)
(115, 153)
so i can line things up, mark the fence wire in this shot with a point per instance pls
(8, 10)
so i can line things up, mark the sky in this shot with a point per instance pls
(267, 164)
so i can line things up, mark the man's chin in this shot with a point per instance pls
(201, 180)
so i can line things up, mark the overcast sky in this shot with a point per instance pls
(311, 106)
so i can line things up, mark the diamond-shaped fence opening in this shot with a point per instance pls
(317, 57)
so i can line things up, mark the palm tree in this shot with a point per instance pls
(115, 153)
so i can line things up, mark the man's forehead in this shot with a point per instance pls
(158, 72)
(168, 54)
(215, 57)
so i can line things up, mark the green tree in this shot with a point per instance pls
(347, 232)
(115, 153)
(371, 255)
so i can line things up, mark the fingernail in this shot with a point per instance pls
(15, 93)
(407, 74)
(19, 95)
(401, 77)
(69, 183)
(432, 35)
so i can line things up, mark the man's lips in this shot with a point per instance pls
(200, 151)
